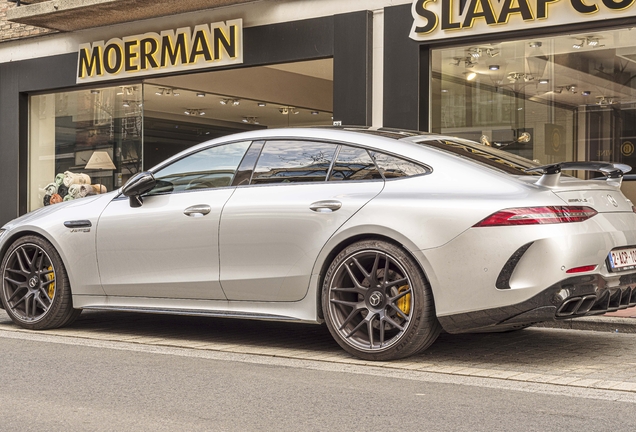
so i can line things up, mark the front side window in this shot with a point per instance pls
(293, 162)
(207, 169)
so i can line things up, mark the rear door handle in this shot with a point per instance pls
(197, 210)
(326, 206)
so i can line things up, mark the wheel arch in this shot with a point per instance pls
(12, 236)
(347, 237)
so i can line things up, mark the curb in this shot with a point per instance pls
(600, 324)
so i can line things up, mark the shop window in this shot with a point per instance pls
(573, 94)
(293, 162)
(83, 143)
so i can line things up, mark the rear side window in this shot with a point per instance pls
(293, 162)
(354, 164)
(393, 167)
(211, 168)
(492, 157)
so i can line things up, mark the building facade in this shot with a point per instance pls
(107, 94)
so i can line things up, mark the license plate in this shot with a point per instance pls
(622, 259)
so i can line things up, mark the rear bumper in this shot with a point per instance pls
(570, 298)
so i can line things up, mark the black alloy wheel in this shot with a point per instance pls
(35, 289)
(377, 302)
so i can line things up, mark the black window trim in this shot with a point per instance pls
(427, 168)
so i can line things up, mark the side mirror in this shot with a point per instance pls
(525, 137)
(138, 185)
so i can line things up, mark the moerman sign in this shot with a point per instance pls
(204, 46)
(437, 19)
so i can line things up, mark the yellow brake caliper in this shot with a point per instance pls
(50, 277)
(404, 303)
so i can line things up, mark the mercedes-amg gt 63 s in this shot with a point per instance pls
(386, 236)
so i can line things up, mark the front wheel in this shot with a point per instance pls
(35, 289)
(377, 302)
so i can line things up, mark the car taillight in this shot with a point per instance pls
(538, 215)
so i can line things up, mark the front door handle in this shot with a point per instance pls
(326, 206)
(197, 210)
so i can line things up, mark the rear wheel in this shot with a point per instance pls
(35, 289)
(377, 302)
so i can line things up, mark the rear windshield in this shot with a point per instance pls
(492, 157)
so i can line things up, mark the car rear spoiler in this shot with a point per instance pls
(551, 173)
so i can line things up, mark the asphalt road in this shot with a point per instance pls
(67, 383)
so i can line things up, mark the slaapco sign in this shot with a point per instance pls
(436, 19)
(204, 46)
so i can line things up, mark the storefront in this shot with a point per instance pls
(125, 101)
(123, 98)
(561, 71)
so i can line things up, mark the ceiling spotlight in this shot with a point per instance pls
(236, 102)
(492, 53)
(475, 53)
(250, 120)
(471, 76)
(444, 91)
(493, 67)
(586, 93)
(175, 93)
(578, 45)
(544, 81)
(592, 42)
(535, 44)
(224, 101)
(283, 110)
(158, 92)
(194, 112)
(315, 113)
(262, 104)
(95, 92)
(200, 94)
(126, 104)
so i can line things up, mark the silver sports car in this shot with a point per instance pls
(386, 236)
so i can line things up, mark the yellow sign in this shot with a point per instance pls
(204, 46)
(436, 19)
(627, 149)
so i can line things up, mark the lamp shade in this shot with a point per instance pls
(100, 160)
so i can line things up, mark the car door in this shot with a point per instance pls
(273, 229)
(168, 247)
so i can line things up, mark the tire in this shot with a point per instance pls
(374, 316)
(35, 290)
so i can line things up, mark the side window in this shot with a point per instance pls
(211, 168)
(354, 164)
(392, 167)
(293, 162)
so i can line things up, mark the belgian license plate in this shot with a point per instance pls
(622, 259)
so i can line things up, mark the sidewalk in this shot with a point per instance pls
(622, 321)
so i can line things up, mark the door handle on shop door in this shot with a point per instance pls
(326, 206)
(197, 210)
